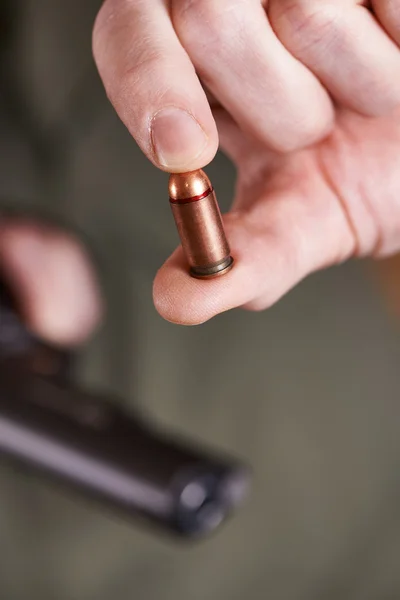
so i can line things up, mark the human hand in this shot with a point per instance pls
(48, 273)
(304, 102)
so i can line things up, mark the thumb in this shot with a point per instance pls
(279, 239)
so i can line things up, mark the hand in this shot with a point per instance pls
(309, 90)
(50, 277)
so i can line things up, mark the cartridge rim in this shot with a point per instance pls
(212, 271)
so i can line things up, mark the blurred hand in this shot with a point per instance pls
(51, 279)
(304, 96)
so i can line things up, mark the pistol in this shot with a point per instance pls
(95, 446)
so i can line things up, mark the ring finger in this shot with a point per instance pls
(342, 43)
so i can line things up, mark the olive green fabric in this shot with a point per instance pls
(307, 392)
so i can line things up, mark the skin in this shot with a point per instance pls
(302, 95)
(51, 279)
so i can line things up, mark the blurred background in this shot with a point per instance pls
(307, 392)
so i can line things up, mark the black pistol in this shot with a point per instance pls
(96, 447)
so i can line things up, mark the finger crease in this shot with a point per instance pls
(329, 181)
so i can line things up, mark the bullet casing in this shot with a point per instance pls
(199, 223)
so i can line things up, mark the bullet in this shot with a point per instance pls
(199, 223)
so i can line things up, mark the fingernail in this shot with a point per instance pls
(177, 137)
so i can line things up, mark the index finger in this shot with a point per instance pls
(152, 84)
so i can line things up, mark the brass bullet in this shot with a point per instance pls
(199, 223)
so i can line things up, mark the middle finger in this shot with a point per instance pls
(343, 44)
(267, 91)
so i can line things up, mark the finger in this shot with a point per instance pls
(249, 154)
(153, 85)
(237, 55)
(275, 244)
(232, 141)
(342, 43)
(240, 146)
(388, 13)
(51, 279)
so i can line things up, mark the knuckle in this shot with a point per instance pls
(310, 129)
(314, 128)
(128, 79)
(205, 25)
(305, 25)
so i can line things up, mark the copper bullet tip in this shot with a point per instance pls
(186, 187)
